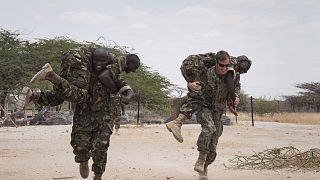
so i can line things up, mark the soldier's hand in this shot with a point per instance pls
(125, 100)
(236, 101)
(194, 86)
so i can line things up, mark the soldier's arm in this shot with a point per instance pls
(107, 80)
(115, 81)
(237, 85)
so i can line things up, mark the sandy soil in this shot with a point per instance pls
(150, 152)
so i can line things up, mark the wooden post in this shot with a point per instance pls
(252, 110)
(7, 116)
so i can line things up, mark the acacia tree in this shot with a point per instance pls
(309, 98)
(311, 94)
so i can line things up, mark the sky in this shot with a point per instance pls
(281, 37)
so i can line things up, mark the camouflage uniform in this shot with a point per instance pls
(75, 68)
(92, 126)
(194, 68)
(215, 96)
(116, 110)
(92, 120)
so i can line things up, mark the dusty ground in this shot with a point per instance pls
(150, 152)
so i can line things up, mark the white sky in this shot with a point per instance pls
(281, 37)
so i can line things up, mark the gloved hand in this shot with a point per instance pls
(127, 96)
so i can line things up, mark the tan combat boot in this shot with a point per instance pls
(175, 127)
(84, 169)
(41, 75)
(175, 104)
(200, 164)
(204, 175)
(24, 98)
(117, 132)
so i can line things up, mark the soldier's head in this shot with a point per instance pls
(222, 62)
(132, 63)
(100, 59)
(243, 64)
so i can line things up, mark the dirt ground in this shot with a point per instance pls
(150, 152)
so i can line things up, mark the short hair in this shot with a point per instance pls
(222, 56)
(133, 58)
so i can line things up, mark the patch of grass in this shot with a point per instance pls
(296, 118)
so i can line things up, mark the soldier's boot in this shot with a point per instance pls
(204, 175)
(174, 126)
(24, 98)
(175, 105)
(47, 73)
(42, 74)
(84, 169)
(117, 132)
(200, 164)
(97, 176)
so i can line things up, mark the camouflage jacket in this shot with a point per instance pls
(96, 107)
(215, 91)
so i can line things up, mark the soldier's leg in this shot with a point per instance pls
(175, 105)
(204, 117)
(81, 140)
(116, 118)
(65, 89)
(45, 98)
(100, 147)
(211, 156)
(192, 104)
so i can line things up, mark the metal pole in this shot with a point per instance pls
(251, 110)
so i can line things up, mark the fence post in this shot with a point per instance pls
(251, 110)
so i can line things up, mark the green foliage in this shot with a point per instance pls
(21, 59)
(262, 106)
(244, 102)
(151, 88)
(306, 100)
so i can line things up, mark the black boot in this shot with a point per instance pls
(84, 169)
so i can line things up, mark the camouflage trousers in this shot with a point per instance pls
(116, 116)
(49, 98)
(92, 140)
(193, 104)
(64, 91)
(211, 130)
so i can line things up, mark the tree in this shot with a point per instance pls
(307, 99)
